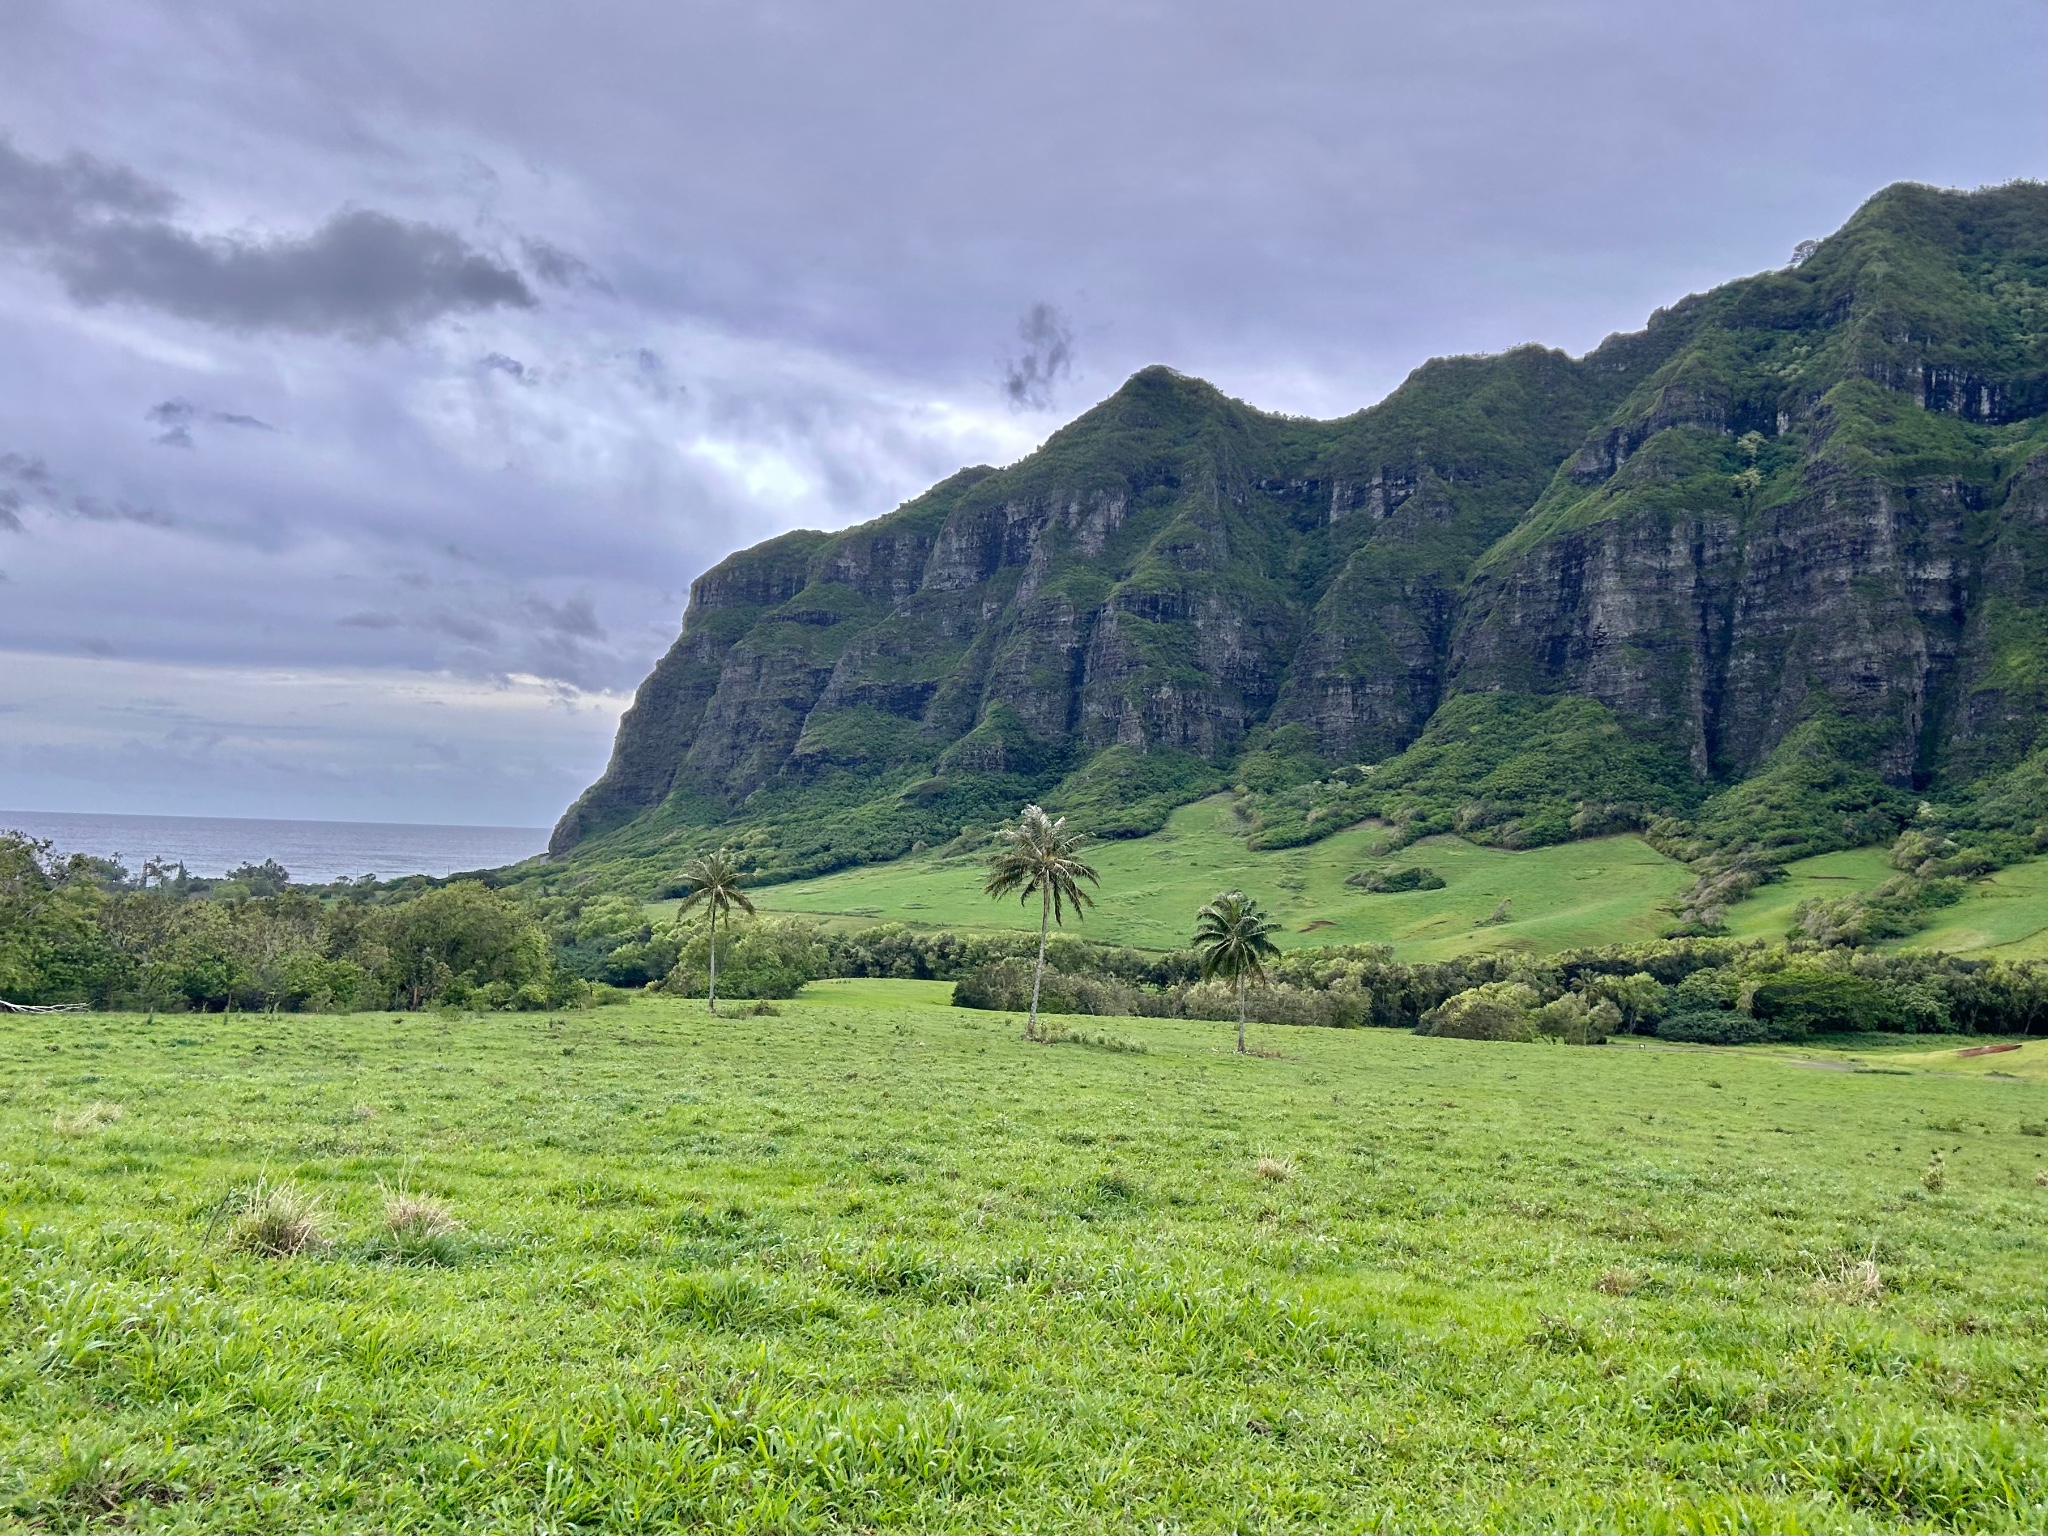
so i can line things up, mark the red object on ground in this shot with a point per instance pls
(1988, 1050)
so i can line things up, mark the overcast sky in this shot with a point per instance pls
(375, 378)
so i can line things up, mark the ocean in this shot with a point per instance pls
(314, 851)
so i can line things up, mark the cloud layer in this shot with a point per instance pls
(412, 342)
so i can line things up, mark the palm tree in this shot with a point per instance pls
(1040, 856)
(714, 881)
(1233, 938)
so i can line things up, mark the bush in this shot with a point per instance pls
(1827, 1002)
(1005, 985)
(1718, 1026)
(1577, 1019)
(1415, 878)
(1499, 1010)
(763, 957)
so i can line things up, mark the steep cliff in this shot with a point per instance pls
(1815, 492)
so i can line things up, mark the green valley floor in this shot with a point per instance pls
(1608, 890)
(875, 1263)
(1603, 891)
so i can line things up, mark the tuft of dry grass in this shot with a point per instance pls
(1934, 1177)
(417, 1217)
(418, 1229)
(1277, 1170)
(364, 1112)
(2041, 1176)
(1851, 1282)
(1618, 1282)
(279, 1220)
(89, 1121)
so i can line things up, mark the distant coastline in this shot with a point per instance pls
(314, 851)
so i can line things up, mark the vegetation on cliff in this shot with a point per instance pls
(1761, 579)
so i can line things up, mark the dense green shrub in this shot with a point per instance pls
(1416, 877)
(1827, 1003)
(1499, 1010)
(1719, 1026)
(1511, 769)
(761, 957)
(80, 930)
(1006, 985)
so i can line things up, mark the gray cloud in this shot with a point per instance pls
(35, 486)
(176, 417)
(1047, 359)
(575, 618)
(552, 264)
(729, 279)
(101, 229)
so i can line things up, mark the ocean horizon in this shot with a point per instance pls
(315, 852)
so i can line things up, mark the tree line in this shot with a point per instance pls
(82, 930)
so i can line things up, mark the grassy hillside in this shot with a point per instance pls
(1601, 891)
(874, 1263)
(2004, 914)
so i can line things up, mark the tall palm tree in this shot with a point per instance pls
(715, 884)
(1039, 856)
(1232, 935)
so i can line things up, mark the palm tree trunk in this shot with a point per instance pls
(1240, 1013)
(1038, 975)
(714, 959)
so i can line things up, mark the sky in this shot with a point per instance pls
(375, 379)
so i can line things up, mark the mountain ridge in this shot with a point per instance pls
(1813, 494)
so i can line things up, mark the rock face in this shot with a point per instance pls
(1822, 488)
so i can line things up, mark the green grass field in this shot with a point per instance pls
(1604, 891)
(1607, 890)
(874, 1263)
(2005, 914)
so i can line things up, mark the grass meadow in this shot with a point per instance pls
(1609, 890)
(1602, 891)
(875, 1263)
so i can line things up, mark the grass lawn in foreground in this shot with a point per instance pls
(1607, 890)
(876, 1263)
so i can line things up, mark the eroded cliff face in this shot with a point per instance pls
(1146, 581)
(1818, 489)
(1724, 626)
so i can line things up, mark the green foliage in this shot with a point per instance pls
(1495, 1010)
(1416, 877)
(1813, 794)
(764, 958)
(1123, 792)
(1503, 769)
(1717, 1026)
(210, 947)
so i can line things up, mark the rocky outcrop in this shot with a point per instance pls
(1817, 490)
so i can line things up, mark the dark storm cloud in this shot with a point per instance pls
(1048, 358)
(101, 228)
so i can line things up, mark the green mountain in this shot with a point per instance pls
(1760, 577)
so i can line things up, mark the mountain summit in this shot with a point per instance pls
(1803, 516)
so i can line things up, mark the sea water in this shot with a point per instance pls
(315, 852)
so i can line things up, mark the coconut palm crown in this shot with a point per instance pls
(1040, 857)
(714, 880)
(1233, 937)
